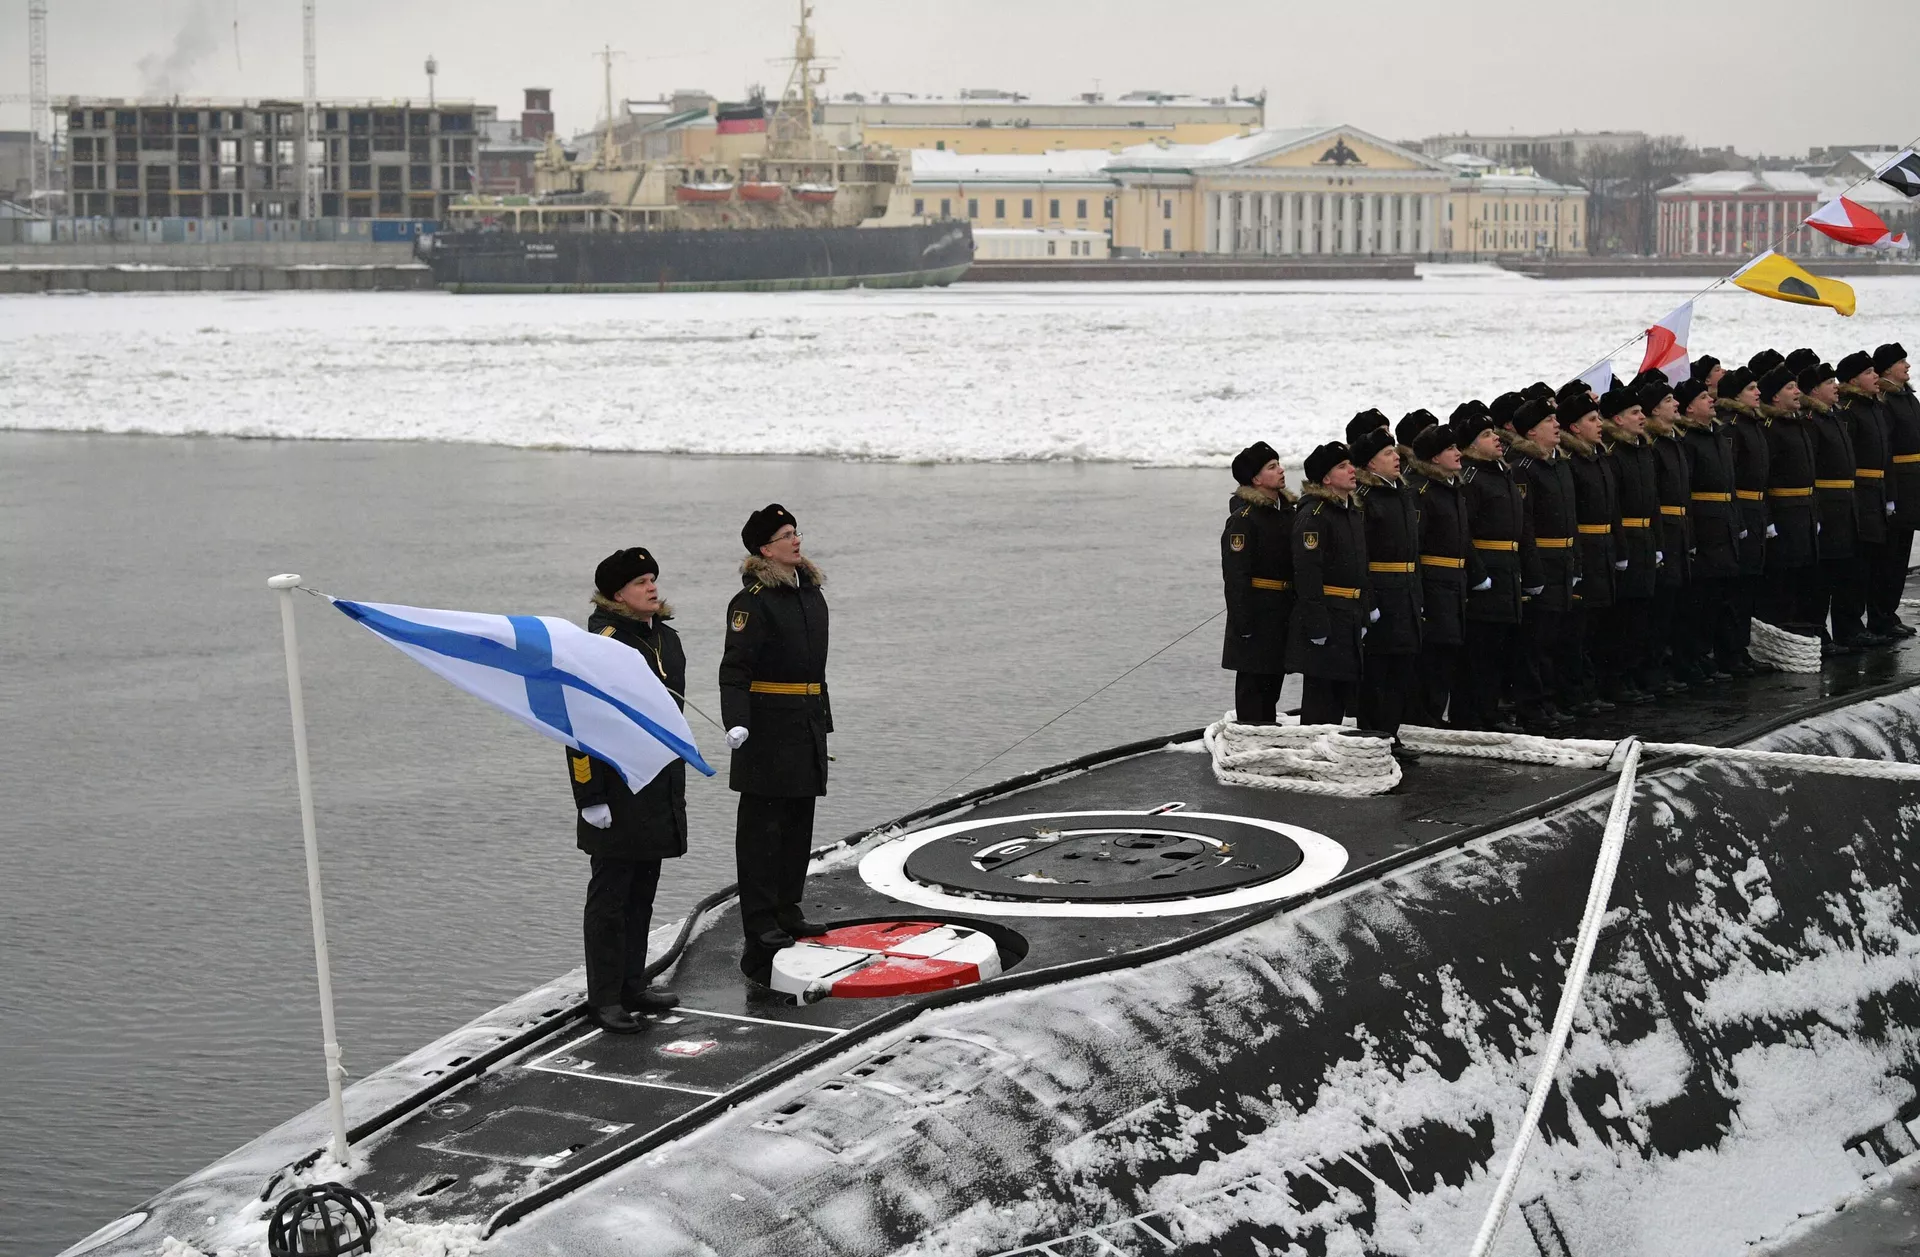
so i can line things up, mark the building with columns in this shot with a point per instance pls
(1493, 211)
(1738, 213)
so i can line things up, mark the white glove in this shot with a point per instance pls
(1576, 581)
(1890, 507)
(1363, 632)
(1373, 616)
(1743, 534)
(735, 736)
(1486, 583)
(1772, 531)
(1619, 565)
(1659, 556)
(1534, 590)
(599, 815)
(1317, 641)
(1816, 528)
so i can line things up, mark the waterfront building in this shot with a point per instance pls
(1559, 149)
(1041, 244)
(1069, 190)
(1493, 210)
(990, 121)
(1738, 213)
(509, 147)
(192, 159)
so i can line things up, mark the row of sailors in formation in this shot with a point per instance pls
(1557, 554)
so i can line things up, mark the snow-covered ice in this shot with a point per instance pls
(1166, 374)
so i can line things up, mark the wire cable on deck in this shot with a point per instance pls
(1612, 840)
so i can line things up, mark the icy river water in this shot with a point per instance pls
(1015, 493)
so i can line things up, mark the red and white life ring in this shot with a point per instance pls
(885, 958)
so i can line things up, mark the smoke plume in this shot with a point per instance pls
(196, 40)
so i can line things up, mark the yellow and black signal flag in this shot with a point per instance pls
(1771, 275)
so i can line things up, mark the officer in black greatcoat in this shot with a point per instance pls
(1622, 643)
(1546, 475)
(1256, 568)
(1836, 506)
(774, 702)
(1902, 410)
(1596, 505)
(1854, 619)
(1738, 406)
(628, 833)
(1502, 532)
(1449, 566)
(1791, 596)
(1389, 679)
(1703, 633)
(1330, 578)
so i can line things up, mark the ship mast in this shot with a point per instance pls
(607, 155)
(793, 121)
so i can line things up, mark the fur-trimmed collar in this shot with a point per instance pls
(1888, 386)
(1734, 406)
(1658, 427)
(1373, 481)
(1620, 435)
(1817, 406)
(1775, 412)
(1684, 420)
(1481, 458)
(1531, 449)
(1314, 489)
(1260, 497)
(768, 572)
(1850, 390)
(1576, 445)
(1434, 471)
(621, 609)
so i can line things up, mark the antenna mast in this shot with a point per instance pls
(39, 155)
(793, 121)
(310, 111)
(607, 155)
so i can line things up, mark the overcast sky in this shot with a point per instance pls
(1772, 76)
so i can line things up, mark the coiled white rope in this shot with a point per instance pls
(1308, 759)
(1612, 840)
(1789, 652)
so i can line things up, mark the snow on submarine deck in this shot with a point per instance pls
(1317, 1030)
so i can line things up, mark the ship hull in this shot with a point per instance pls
(769, 260)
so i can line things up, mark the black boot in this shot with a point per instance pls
(614, 1019)
(650, 999)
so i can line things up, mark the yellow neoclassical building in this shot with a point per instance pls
(1303, 190)
(1493, 210)
(980, 122)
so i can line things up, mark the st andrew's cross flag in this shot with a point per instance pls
(1771, 275)
(582, 690)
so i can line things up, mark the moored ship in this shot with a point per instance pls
(772, 206)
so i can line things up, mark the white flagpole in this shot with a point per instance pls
(286, 584)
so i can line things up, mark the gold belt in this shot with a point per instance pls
(1906, 458)
(1339, 591)
(1672, 510)
(1442, 560)
(1390, 567)
(1804, 492)
(784, 687)
(1833, 484)
(1870, 473)
(1262, 582)
(1637, 521)
(1554, 543)
(1596, 530)
(1495, 545)
(1750, 495)
(1713, 497)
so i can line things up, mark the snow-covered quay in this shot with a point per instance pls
(1166, 374)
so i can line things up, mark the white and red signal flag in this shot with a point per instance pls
(1852, 223)
(1667, 345)
(1902, 173)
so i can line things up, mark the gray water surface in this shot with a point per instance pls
(157, 998)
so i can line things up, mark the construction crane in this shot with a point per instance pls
(310, 111)
(40, 110)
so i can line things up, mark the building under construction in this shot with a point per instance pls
(244, 158)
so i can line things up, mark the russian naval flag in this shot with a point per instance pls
(582, 690)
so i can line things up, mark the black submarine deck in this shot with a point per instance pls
(493, 1137)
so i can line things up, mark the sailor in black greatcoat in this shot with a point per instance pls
(1256, 569)
(1621, 645)
(1596, 506)
(1389, 680)
(774, 702)
(1790, 598)
(1546, 476)
(1330, 578)
(1449, 566)
(1836, 506)
(1502, 531)
(1705, 640)
(1673, 533)
(1902, 409)
(1866, 420)
(1738, 406)
(628, 833)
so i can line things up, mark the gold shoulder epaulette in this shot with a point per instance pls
(607, 631)
(754, 588)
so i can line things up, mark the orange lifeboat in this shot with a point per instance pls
(761, 191)
(704, 193)
(815, 193)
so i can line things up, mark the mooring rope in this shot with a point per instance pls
(1789, 652)
(1612, 840)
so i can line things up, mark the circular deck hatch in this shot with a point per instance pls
(1105, 863)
